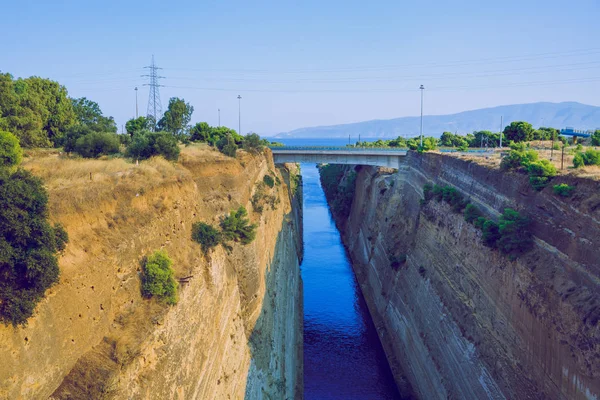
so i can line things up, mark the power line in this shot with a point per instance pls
(154, 104)
(494, 60)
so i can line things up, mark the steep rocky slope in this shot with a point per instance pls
(461, 320)
(237, 329)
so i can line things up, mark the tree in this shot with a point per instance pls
(447, 139)
(252, 143)
(206, 235)
(519, 131)
(28, 245)
(201, 132)
(147, 144)
(227, 146)
(89, 114)
(177, 117)
(11, 153)
(138, 124)
(96, 144)
(35, 110)
(596, 138)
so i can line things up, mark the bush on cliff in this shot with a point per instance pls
(158, 278)
(237, 227)
(28, 245)
(96, 144)
(471, 213)
(590, 157)
(540, 172)
(145, 144)
(563, 190)
(515, 236)
(206, 235)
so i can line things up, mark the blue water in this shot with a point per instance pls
(343, 358)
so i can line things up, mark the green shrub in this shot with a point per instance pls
(145, 144)
(518, 157)
(540, 173)
(237, 227)
(479, 222)
(438, 193)
(578, 160)
(471, 213)
(269, 181)
(252, 143)
(11, 153)
(596, 138)
(491, 233)
(206, 235)
(427, 192)
(227, 146)
(158, 278)
(515, 236)
(563, 190)
(590, 157)
(28, 245)
(96, 144)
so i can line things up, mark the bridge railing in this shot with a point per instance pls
(337, 148)
(364, 149)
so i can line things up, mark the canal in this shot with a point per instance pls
(343, 358)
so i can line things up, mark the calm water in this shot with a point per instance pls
(343, 358)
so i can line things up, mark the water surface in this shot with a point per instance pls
(343, 358)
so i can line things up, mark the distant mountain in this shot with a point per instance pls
(557, 115)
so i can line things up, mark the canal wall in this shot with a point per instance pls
(236, 330)
(459, 319)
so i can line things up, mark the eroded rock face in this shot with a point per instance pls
(461, 320)
(237, 328)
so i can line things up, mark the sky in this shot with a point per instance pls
(309, 63)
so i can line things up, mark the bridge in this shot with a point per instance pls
(381, 157)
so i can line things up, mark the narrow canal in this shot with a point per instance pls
(343, 358)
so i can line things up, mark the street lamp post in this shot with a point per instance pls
(239, 114)
(422, 88)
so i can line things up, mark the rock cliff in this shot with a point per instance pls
(460, 320)
(237, 329)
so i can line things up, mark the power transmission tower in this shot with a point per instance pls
(154, 105)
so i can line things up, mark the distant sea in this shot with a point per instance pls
(314, 142)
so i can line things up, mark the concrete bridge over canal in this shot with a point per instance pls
(382, 157)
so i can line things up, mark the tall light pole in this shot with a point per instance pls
(219, 110)
(239, 114)
(422, 88)
(136, 103)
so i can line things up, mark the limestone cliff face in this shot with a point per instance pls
(461, 320)
(237, 329)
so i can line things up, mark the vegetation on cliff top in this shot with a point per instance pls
(158, 278)
(28, 243)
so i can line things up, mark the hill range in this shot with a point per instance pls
(557, 115)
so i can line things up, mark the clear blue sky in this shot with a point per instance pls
(312, 62)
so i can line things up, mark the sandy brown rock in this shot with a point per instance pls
(94, 336)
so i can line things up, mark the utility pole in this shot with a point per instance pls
(562, 158)
(422, 88)
(552, 148)
(154, 104)
(239, 114)
(136, 102)
(219, 110)
(501, 129)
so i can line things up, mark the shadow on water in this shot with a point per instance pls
(343, 357)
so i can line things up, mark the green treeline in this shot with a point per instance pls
(510, 234)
